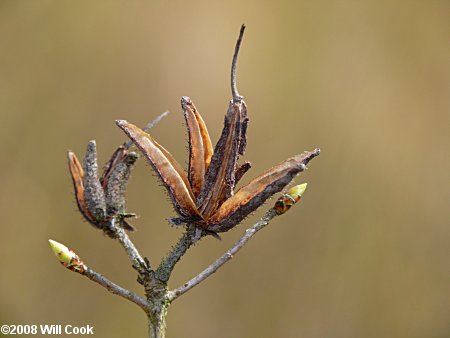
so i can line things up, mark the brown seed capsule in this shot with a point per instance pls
(204, 196)
(200, 148)
(77, 174)
(117, 157)
(220, 178)
(251, 196)
(116, 186)
(93, 191)
(241, 170)
(172, 175)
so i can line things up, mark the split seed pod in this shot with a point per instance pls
(204, 195)
(101, 199)
(200, 146)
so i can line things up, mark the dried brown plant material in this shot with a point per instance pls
(173, 177)
(77, 174)
(204, 195)
(241, 170)
(100, 199)
(200, 147)
(93, 191)
(223, 208)
(254, 194)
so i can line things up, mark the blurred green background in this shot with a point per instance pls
(366, 254)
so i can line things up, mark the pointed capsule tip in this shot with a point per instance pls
(121, 122)
(92, 146)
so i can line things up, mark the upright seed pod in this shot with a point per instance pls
(116, 186)
(93, 191)
(220, 177)
(172, 175)
(200, 147)
(77, 174)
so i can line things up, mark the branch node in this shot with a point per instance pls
(248, 234)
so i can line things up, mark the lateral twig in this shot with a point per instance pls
(139, 263)
(116, 289)
(249, 233)
(149, 126)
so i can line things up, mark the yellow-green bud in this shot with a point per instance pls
(67, 257)
(286, 201)
(297, 191)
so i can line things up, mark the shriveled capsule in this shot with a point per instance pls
(116, 186)
(93, 191)
(99, 200)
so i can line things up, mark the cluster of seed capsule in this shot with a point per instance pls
(102, 199)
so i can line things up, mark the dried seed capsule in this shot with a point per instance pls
(93, 191)
(241, 170)
(168, 169)
(220, 177)
(200, 147)
(77, 174)
(116, 186)
(116, 157)
(254, 194)
(196, 167)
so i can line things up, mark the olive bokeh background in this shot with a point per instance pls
(366, 252)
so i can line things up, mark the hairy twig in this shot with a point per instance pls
(166, 266)
(234, 91)
(139, 263)
(116, 289)
(249, 233)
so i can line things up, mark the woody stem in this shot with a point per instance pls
(116, 289)
(138, 262)
(168, 263)
(249, 233)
